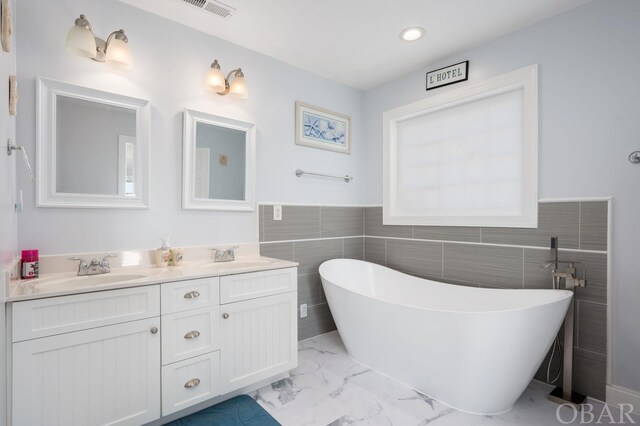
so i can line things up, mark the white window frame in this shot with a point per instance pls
(525, 79)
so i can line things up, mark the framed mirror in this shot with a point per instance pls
(218, 163)
(92, 148)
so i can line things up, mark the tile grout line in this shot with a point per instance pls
(523, 268)
(385, 252)
(592, 302)
(486, 244)
(576, 336)
(580, 225)
(473, 243)
(442, 261)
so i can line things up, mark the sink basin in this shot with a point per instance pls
(240, 263)
(85, 281)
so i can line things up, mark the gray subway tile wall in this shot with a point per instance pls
(415, 257)
(373, 225)
(353, 248)
(375, 250)
(302, 227)
(447, 233)
(554, 219)
(341, 221)
(593, 225)
(489, 265)
(298, 223)
(472, 256)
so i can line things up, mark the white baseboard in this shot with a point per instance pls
(617, 395)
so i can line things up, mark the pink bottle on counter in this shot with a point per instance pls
(30, 264)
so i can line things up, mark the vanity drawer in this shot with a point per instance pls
(189, 382)
(191, 333)
(234, 288)
(46, 317)
(184, 295)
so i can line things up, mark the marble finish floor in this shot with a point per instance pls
(330, 388)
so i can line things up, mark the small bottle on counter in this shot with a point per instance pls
(30, 264)
(163, 254)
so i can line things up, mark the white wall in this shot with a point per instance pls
(170, 63)
(8, 219)
(589, 123)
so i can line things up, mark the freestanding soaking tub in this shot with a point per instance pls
(473, 349)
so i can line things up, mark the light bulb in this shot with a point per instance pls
(119, 54)
(412, 34)
(215, 80)
(80, 40)
(238, 88)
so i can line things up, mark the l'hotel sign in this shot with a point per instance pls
(448, 75)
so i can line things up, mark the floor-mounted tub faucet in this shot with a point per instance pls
(565, 394)
(569, 274)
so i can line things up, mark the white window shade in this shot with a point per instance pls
(465, 158)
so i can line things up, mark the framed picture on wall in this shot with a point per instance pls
(320, 128)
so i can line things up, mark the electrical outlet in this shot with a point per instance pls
(277, 212)
(303, 310)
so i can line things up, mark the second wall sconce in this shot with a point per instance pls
(225, 86)
(115, 50)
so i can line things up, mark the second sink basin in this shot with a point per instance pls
(240, 263)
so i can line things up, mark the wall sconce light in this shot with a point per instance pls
(237, 87)
(115, 51)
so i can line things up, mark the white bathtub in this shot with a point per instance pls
(471, 348)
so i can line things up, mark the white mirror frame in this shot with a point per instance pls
(189, 202)
(46, 193)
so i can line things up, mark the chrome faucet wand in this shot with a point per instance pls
(565, 394)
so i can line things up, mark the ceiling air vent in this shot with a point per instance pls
(214, 7)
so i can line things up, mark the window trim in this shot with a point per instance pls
(525, 78)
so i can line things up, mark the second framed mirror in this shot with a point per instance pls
(218, 163)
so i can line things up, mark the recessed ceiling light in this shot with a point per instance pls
(412, 34)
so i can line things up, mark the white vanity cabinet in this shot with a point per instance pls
(243, 331)
(130, 356)
(259, 333)
(190, 343)
(92, 376)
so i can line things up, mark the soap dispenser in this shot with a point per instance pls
(163, 254)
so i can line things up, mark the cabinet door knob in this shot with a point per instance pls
(192, 334)
(225, 315)
(192, 295)
(192, 383)
(154, 330)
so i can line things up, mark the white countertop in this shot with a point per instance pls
(66, 283)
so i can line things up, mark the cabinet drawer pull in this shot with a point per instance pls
(192, 295)
(154, 330)
(225, 315)
(192, 383)
(192, 334)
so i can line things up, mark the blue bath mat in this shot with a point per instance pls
(239, 411)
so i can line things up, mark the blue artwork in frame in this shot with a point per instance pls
(320, 128)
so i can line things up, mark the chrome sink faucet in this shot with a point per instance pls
(95, 267)
(224, 255)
